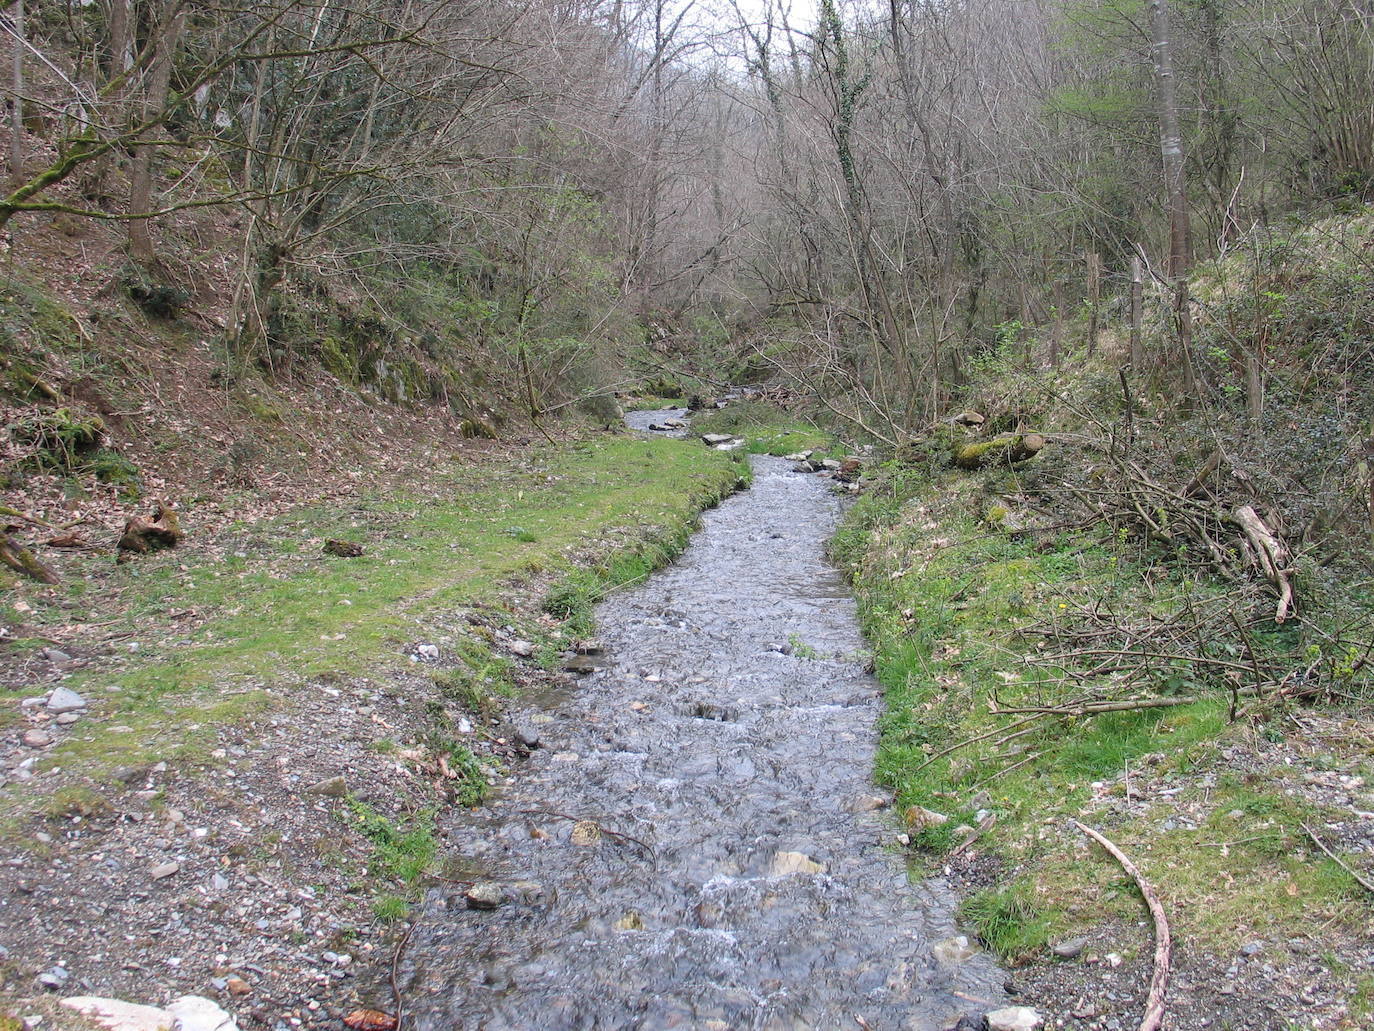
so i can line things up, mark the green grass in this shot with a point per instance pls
(1009, 921)
(401, 855)
(960, 618)
(278, 613)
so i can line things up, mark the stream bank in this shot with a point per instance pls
(695, 841)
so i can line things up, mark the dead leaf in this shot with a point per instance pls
(370, 1020)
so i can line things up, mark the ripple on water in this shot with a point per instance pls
(737, 753)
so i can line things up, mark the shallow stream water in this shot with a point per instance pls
(728, 739)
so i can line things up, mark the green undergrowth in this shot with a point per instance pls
(274, 613)
(401, 855)
(768, 429)
(966, 620)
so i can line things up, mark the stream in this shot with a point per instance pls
(694, 844)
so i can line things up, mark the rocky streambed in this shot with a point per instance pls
(696, 842)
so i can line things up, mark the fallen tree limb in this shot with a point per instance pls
(1159, 982)
(1365, 884)
(1091, 708)
(1008, 449)
(22, 560)
(1271, 556)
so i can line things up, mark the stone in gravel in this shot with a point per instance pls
(55, 655)
(237, 986)
(164, 870)
(130, 774)
(427, 651)
(330, 787)
(1071, 949)
(524, 649)
(794, 862)
(54, 978)
(579, 664)
(37, 738)
(528, 735)
(117, 1015)
(830, 463)
(219, 882)
(68, 718)
(1013, 1018)
(36, 702)
(484, 895)
(954, 950)
(196, 1013)
(64, 699)
(1252, 948)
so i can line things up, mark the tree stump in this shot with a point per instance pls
(143, 534)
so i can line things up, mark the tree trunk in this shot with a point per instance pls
(16, 99)
(141, 172)
(1137, 289)
(1175, 185)
(1094, 297)
(1004, 450)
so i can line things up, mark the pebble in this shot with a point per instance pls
(330, 787)
(196, 1013)
(527, 735)
(1014, 1018)
(524, 649)
(1070, 949)
(164, 870)
(37, 738)
(1252, 948)
(64, 699)
(55, 655)
(54, 978)
(427, 651)
(68, 718)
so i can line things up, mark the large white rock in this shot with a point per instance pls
(1014, 1018)
(64, 699)
(196, 1013)
(116, 1015)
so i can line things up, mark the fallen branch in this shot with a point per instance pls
(1366, 885)
(1271, 555)
(1091, 708)
(1159, 982)
(22, 560)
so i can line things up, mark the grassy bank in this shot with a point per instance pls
(221, 633)
(1209, 789)
(768, 429)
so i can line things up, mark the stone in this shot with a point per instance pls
(37, 738)
(55, 655)
(427, 651)
(164, 870)
(130, 775)
(631, 921)
(237, 986)
(954, 950)
(785, 863)
(523, 649)
(868, 803)
(117, 1015)
(527, 735)
(832, 464)
(585, 833)
(1013, 1018)
(484, 895)
(716, 438)
(1070, 949)
(330, 787)
(1252, 949)
(68, 718)
(849, 471)
(918, 818)
(54, 978)
(196, 1013)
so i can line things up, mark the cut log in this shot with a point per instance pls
(1271, 556)
(143, 534)
(22, 560)
(1008, 449)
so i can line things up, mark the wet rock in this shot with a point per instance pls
(330, 787)
(1013, 1018)
(712, 711)
(37, 738)
(631, 921)
(800, 456)
(954, 950)
(831, 464)
(196, 1013)
(588, 648)
(807, 466)
(484, 895)
(579, 664)
(785, 863)
(522, 649)
(585, 833)
(64, 699)
(164, 870)
(868, 804)
(117, 1015)
(1071, 949)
